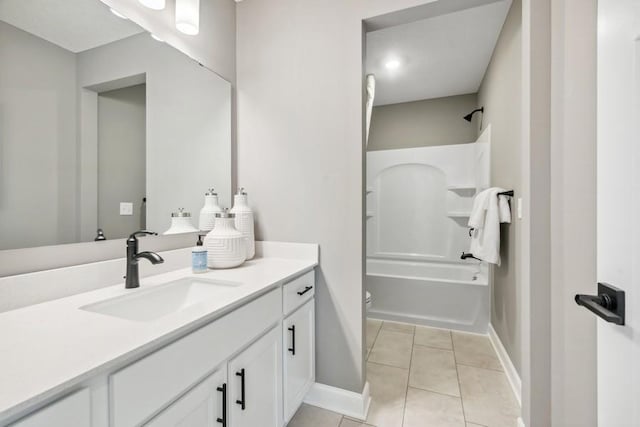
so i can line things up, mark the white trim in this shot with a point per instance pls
(520, 422)
(345, 402)
(509, 369)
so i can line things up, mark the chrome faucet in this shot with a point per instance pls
(132, 279)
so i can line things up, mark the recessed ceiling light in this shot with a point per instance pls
(153, 36)
(118, 14)
(392, 64)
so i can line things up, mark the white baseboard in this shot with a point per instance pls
(345, 402)
(520, 422)
(509, 369)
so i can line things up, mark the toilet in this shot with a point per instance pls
(368, 301)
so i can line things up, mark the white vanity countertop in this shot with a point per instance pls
(49, 347)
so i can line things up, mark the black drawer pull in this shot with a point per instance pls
(608, 304)
(223, 390)
(242, 402)
(292, 349)
(306, 289)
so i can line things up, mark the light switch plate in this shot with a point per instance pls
(519, 207)
(126, 208)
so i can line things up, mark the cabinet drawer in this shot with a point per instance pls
(142, 389)
(73, 410)
(201, 406)
(298, 291)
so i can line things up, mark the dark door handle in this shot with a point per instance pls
(242, 401)
(223, 419)
(608, 304)
(306, 289)
(292, 349)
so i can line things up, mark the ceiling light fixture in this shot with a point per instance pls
(153, 36)
(118, 14)
(392, 64)
(153, 4)
(188, 16)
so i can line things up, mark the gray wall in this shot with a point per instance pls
(300, 136)
(437, 121)
(500, 94)
(37, 141)
(121, 159)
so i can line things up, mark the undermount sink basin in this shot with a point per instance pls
(155, 302)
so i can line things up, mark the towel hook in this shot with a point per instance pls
(468, 255)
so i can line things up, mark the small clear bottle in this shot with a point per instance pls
(199, 257)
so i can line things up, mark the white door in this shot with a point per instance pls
(255, 383)
(619, 207)
(299, 366)
(202, 406)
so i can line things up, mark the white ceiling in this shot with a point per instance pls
(441, 56)
(75, 25)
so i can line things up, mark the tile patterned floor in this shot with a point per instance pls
(426, 377)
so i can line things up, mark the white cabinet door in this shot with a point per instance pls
(73, 410)
(255, 383)
(299, 356)
(202, 406)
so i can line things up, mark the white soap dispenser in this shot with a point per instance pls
(209, 210)
(244, 221)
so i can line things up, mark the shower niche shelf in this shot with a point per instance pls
(462, 189)
(459, 214)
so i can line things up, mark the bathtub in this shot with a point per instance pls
(439, 294)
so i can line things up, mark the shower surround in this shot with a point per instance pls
(418, 205)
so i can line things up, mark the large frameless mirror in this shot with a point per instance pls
(102, 126)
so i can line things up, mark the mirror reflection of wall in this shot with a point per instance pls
(96, 117)
(122, 160)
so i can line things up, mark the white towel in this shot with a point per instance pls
(489, 210)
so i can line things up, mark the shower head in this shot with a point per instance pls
(469, 116)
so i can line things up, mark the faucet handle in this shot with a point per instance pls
(133, 236)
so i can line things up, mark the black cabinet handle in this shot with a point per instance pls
(608, 304)
(292, 349)
(223, 390)
(306, 289)
(242, 401)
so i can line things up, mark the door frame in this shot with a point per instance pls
(559, 245)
